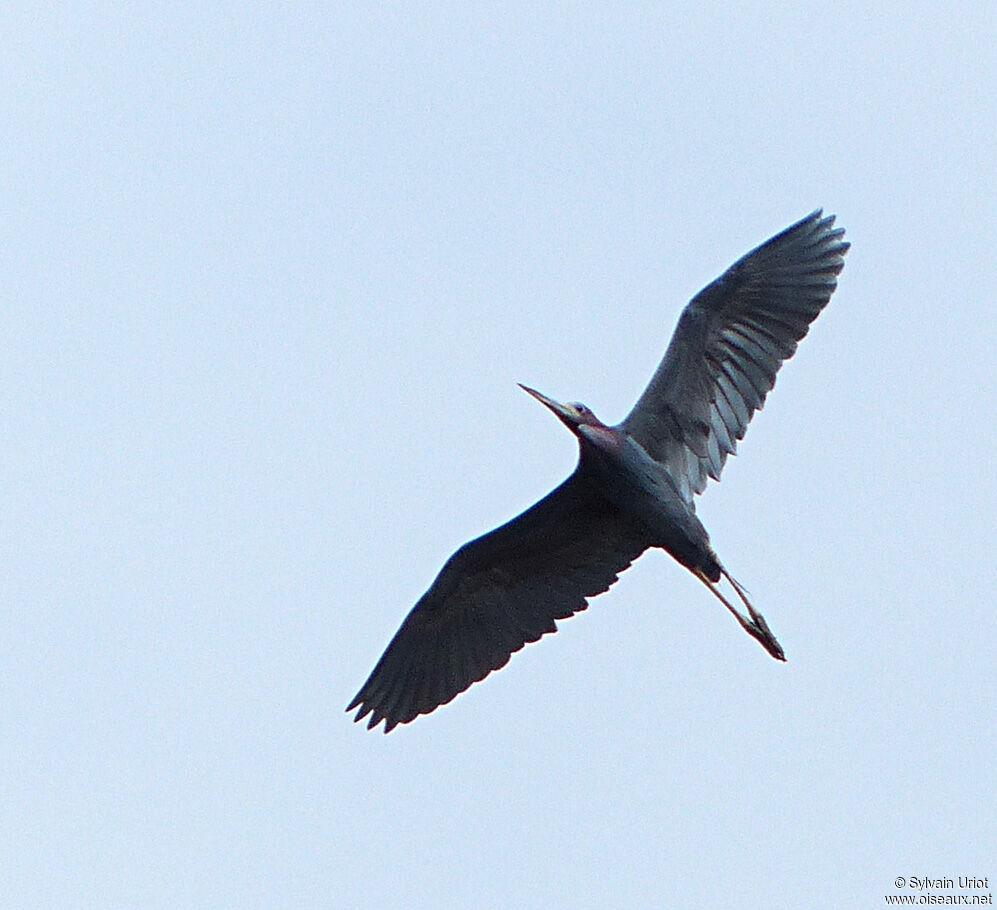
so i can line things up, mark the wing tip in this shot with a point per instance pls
(826, 231)
(816, 219)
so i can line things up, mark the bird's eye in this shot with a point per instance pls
(580, 408)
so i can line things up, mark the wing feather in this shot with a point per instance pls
(497, 593)
(730, 342)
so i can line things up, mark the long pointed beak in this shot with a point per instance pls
(559, 409)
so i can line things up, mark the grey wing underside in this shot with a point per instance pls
(497, 593)
(729, 344)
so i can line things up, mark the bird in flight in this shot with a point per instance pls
(632, 488)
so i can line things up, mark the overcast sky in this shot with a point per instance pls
(270, 276)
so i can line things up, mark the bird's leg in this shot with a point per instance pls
(765, 635)
(755, 615)
(745, 622)
(754, 624)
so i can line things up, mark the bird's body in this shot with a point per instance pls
(641, 488)
(632, 488)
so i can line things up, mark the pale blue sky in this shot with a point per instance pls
(271, 275)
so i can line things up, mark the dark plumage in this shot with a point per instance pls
(633, 487)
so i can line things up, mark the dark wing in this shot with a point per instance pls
(729, 344)
(497, 593)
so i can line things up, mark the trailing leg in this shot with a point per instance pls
(754, 624)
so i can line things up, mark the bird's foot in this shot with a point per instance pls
(760, 631)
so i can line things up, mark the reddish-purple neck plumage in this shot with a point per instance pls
(596, 432)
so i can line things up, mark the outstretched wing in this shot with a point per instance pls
(730, 342)
(497, 593)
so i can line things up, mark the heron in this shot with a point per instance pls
(632, 489)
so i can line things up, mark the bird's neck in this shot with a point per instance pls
(599, 435)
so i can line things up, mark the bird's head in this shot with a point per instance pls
(573, 415)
